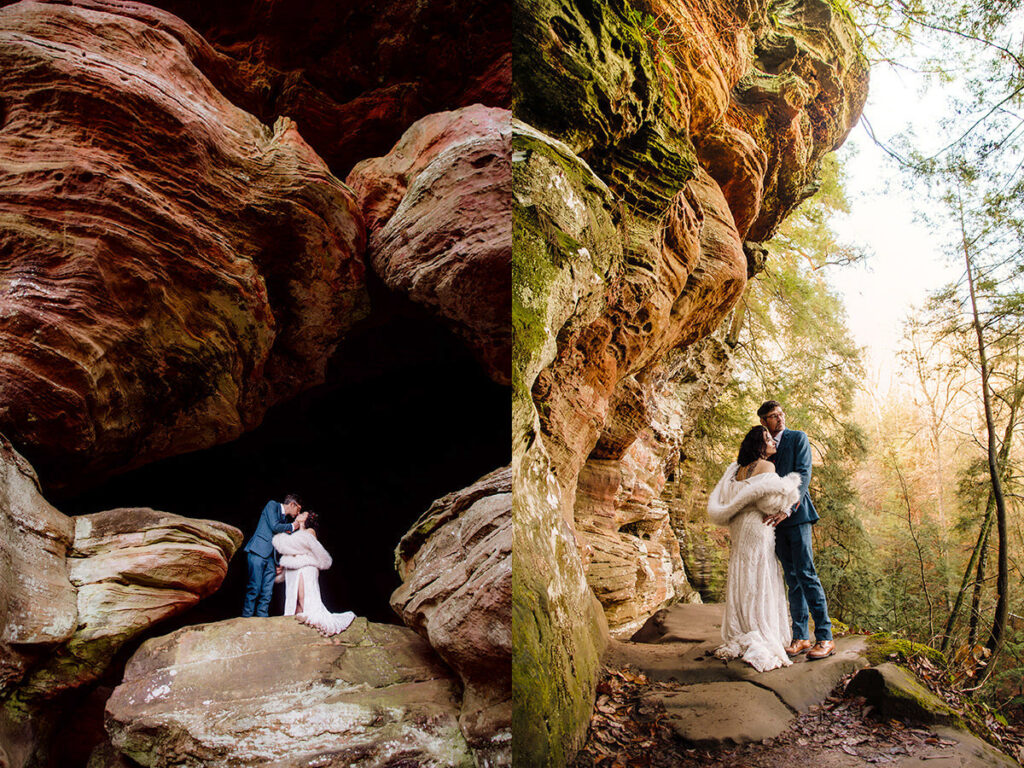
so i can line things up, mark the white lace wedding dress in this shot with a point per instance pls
(756, 626)
(303, 557)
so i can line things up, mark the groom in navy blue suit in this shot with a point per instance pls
(793, 538)
(261, 554)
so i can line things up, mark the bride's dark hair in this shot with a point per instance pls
(753, 447)
(313, 520)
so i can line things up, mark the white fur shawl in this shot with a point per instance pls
(769, 493)
(300, 549)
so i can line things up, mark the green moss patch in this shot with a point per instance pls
(884, 646)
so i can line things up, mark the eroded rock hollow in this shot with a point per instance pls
(656, 145)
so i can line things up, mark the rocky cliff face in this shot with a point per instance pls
(660, 143)
(171, 267)
(78, 589)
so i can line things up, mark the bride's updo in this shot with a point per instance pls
(753, 446)
(313, 521)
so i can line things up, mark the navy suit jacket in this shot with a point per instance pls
(272, 520)
(793, 454)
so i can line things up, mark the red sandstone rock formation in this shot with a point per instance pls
(704, 124)
(75, 590)
(170, 267)
(456, 567)
(353, 77)
(438, 208)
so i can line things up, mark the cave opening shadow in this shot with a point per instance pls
(408, 416)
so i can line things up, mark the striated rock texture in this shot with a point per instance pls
(247, 692)
(621, 511)
(456, 568)
(677, 136)
(353, 77)
(456, 565)
(170, 266)
(38, 607)
(77, 589)
(558, 628)
(438, 211)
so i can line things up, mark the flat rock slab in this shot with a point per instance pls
(247, 692)
(730, 702)
(969, 752)
(677, 644)
(725, 713)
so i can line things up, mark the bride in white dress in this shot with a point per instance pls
(751, 499)
(302, 559)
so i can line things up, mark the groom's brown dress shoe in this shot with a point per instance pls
(822, 650)
(798, 646)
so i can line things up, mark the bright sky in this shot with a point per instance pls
(905, 257)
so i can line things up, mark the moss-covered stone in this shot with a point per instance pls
(558, 628)
(884, 647)
(566, 249)
(582, 70)
(897, 693)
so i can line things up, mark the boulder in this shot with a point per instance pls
(456, 568)
(438, 211)
(132, 569)
(248, 692)
(38, 605)
(897, 693)
(171, 267)
(76, 590)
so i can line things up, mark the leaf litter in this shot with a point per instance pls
(631, 730)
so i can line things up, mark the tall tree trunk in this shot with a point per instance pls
(979, 581)
(973, 566)
(969, 571)
(998, 631)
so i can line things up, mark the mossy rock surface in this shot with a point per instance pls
(897, 693)
(885, 647)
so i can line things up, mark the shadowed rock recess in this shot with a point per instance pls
(655, 145)
(198, 314)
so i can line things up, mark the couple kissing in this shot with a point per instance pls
(285, 547)
(763, 499)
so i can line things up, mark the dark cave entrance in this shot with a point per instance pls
(406, 417)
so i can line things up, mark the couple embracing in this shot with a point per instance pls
(764, 500)
(285, 547)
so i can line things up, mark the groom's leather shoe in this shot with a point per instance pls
(823, 649)
(798, 646)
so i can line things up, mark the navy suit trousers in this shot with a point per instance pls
(793, 548)
(262, 571)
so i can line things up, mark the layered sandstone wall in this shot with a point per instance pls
(660, 143)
